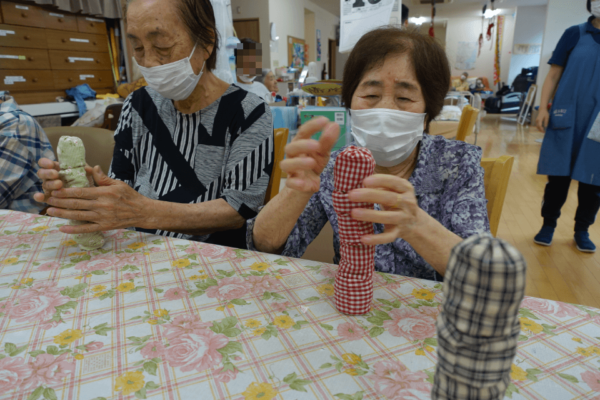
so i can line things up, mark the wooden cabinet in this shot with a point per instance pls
(68, 79)
(60, 20)
(44, 51)
(26, 80)
(78, 60)
(20, 58)
(20, 36)
(88, 24)
(22, 14)
(63, 40)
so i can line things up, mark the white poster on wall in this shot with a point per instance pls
(359, 17)
(466, 56)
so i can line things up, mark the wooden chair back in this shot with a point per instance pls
(497, 174)
(111, 116)
(281, 137)
(468, 119)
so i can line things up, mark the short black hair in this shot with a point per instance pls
(589, 5)
(247, 44)
(405, 13)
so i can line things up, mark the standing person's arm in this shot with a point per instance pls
(548, 92)
(557, 62)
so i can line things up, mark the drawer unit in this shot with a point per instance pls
(63, 40)
(60, 20)
(19, 58)
(96, 79)
(22, 14)
(78, 60)
(88, 24)
(20, 36)
(26, 80)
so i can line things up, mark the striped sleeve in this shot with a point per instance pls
(250, 163)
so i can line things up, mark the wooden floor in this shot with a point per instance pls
(559, 272)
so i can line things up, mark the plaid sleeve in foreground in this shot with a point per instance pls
(354, 277)
(478, 327)
(22, 144)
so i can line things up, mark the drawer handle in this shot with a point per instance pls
(99, 79)
(97, 61)
(26, 37)
(60, 20)
(23, 15)
(94, 43)
(35, 80)
(31, 59)
(70, 79)
(92, 24)
(64, 40)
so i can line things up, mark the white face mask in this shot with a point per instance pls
(175, 81)
(247, 78)
(390, 135)
(596, 9)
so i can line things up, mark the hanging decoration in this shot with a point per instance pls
(499, 37)
(482, 28)
(431, 28)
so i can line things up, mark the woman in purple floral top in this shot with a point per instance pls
(426, 202)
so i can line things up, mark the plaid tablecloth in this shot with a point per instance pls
(153, 317)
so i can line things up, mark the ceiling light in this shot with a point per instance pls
(491, 13)
(417, 20)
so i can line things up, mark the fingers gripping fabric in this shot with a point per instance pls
(71, 155)
(354, 278)
(478, 327)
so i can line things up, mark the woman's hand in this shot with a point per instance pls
(112, 205)
(542, 120)
(306, 158)
(400, 214)
(48, 173)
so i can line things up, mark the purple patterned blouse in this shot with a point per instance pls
(448, 182)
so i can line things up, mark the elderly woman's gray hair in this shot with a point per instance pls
(198, 18)
(261, 78)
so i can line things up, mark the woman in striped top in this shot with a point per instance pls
(193, 154)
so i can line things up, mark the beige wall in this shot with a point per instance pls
(289, 18)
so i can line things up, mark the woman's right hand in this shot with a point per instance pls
(542, 120)
(306, 158)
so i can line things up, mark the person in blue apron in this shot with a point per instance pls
(571, 147)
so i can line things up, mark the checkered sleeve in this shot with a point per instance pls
(22, 144)
(478, 327)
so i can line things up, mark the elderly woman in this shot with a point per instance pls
(193, 155)
(428, 192)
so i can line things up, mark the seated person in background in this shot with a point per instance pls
(462, 84)
(428, 191)
(22, 143)
(193, 154)
(248, 58)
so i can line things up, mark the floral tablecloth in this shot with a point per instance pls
(154, 317)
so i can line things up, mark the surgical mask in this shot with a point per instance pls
(596, 9)
(175, 81)
(390, 135)
(247, 78)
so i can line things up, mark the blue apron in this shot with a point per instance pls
(566, 150)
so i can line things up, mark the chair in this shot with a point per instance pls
(99, 143)
(468, 119)
(281, 136)
(497, 174)
(111, 116)
(529, 100)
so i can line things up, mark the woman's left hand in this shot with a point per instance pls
(400, 214)
(111, 205)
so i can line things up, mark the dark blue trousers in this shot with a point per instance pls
(555, 196)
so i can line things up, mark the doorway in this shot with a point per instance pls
(332, 58)
(247, 28)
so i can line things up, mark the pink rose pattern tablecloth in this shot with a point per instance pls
(153, 317)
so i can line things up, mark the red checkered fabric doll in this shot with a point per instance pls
(354, 278)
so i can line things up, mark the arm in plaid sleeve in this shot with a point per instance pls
(478, 327)
(22, 144)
